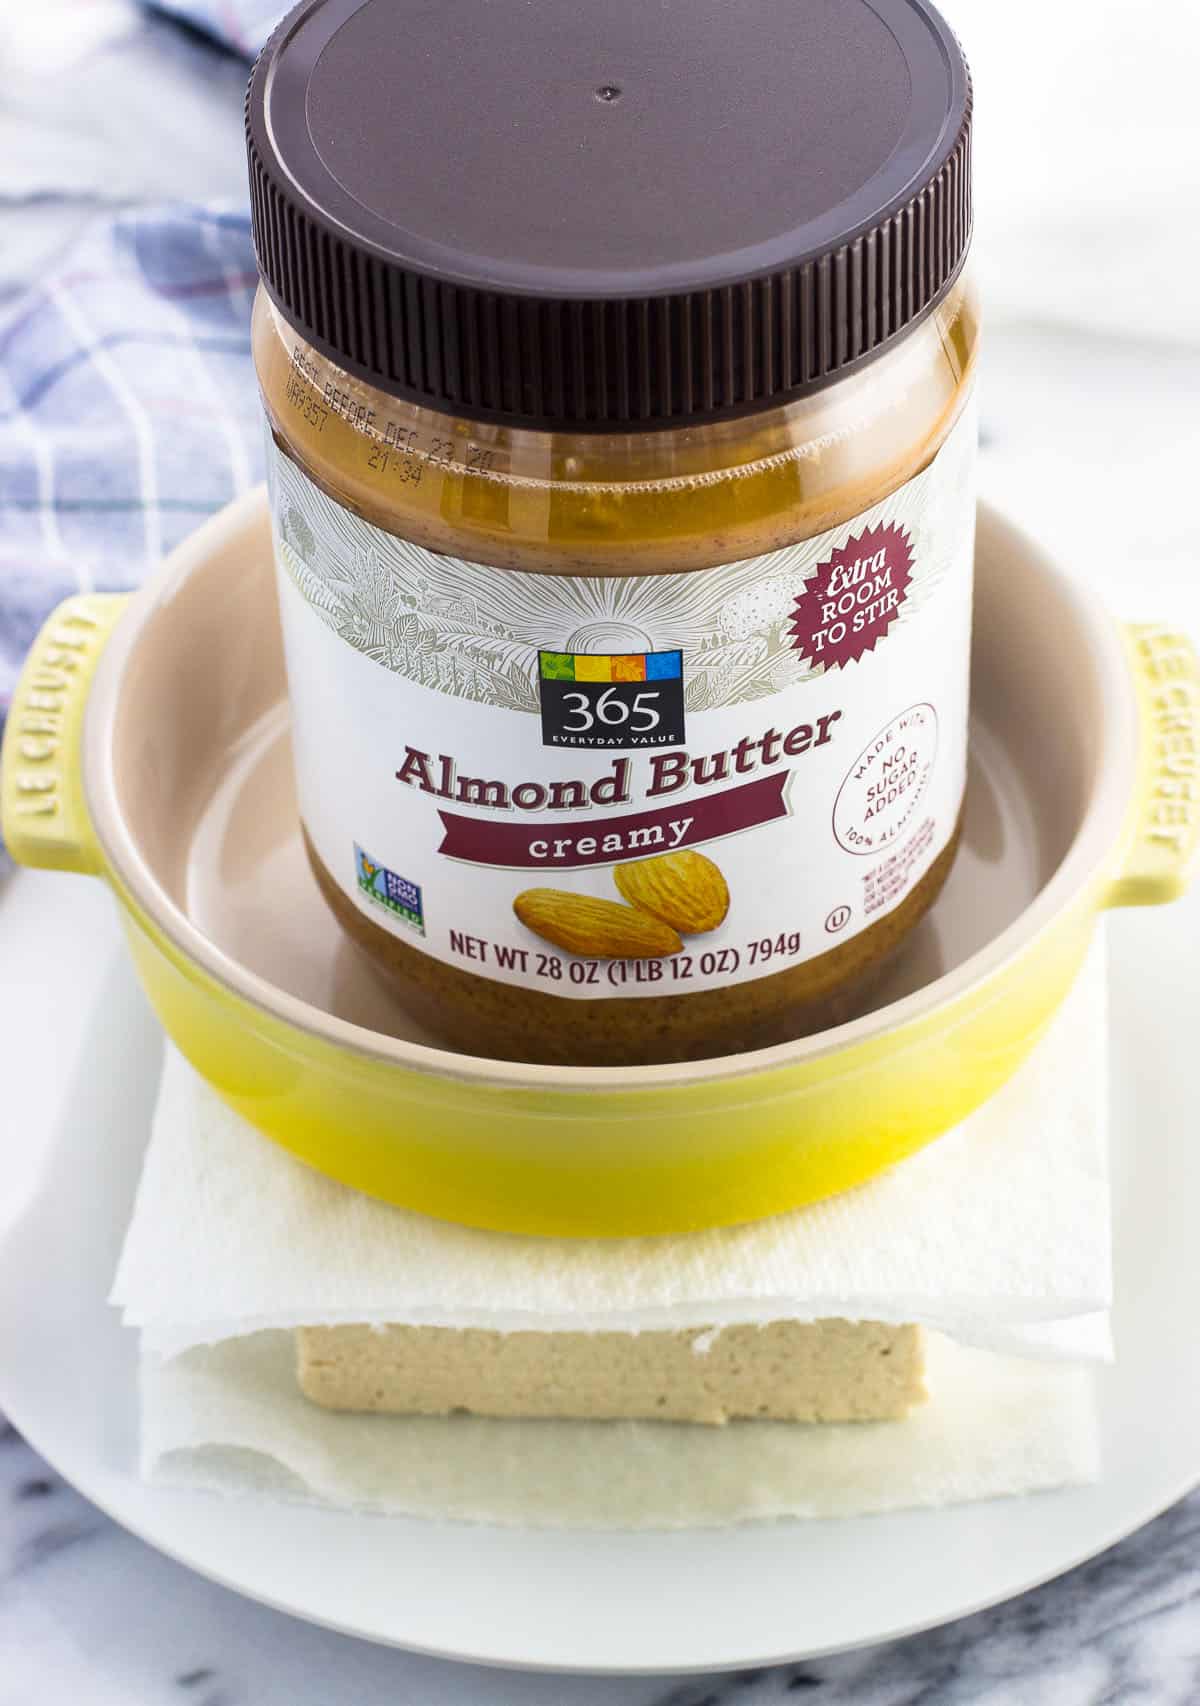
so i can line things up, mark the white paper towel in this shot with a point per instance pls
(230, 1418)
(997, 1234)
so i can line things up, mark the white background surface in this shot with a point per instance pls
(1088, 141)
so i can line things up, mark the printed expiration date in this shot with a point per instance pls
(392, 449)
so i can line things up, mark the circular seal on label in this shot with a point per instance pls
(886, 782)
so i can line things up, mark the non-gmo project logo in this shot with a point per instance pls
(611, 700)
(396, 894)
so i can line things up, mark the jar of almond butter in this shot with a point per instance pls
(617, 362)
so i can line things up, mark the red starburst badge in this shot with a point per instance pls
(854, 597)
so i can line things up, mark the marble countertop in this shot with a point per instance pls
(91, 1616)
(1094, 438)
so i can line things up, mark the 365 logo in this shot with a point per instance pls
(625, 700)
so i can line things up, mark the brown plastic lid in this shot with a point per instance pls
(608, 213)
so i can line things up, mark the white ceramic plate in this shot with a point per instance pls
(78, 1080)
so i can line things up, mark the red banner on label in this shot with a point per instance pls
(607, 841)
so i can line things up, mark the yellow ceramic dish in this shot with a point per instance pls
(147, 744)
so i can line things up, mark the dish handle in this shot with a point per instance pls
(1164, 833)
(43, 813)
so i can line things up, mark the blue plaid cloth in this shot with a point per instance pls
(128, 409)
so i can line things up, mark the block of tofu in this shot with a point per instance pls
(790, 1371)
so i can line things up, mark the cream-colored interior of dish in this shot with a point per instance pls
(202, 769)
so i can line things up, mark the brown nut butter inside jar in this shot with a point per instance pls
(618, 365)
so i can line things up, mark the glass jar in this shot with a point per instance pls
(627, 639)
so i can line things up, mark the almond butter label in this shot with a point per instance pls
(620, 785)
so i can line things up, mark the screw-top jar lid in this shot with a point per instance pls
(567, 214)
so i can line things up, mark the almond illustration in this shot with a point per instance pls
(601, 929)
(684, 889)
